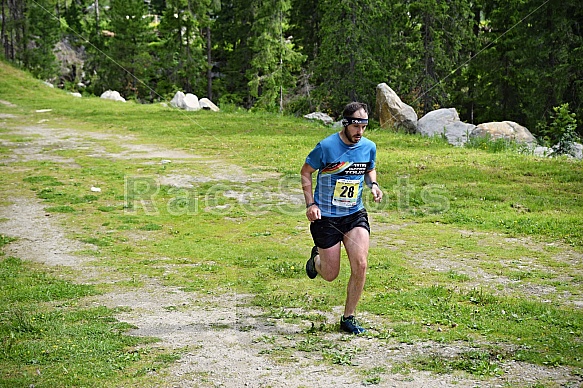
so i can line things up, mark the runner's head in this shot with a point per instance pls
(354, 121)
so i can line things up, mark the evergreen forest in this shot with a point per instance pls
(492, 60)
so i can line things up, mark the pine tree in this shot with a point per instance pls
(214, 7)
(275, 60)
(180, 52)
(445, 44)
(305, 18)
(4, 28)
(29, 31)
(232, 27)
(532, 61)
(127, 66)
(14, 27)
(41, 34)
(393, 44)
(340, 49)
(73, 16)
(352, 52)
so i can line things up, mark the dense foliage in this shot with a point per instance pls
(492, 60)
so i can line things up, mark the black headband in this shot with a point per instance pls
(346, 121)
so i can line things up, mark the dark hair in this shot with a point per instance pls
(352, 107)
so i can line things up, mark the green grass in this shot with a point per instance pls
(476, 362)
(49, 340)
(545, 334)
(450, 218)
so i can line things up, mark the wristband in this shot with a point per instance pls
(311, 204)
(373, 183)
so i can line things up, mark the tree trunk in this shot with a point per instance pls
(96, 3)
(21, 34)
(428, 49)
(187, 85)
(209, 73)
(352, 71)
(552, 63)
(3, 36)
(472, 78)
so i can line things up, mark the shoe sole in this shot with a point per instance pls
(356, 328)
(357, 332)
(311, 264)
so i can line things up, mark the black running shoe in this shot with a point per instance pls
(311, 264)
(350, 325)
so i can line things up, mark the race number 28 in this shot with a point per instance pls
(345, 192)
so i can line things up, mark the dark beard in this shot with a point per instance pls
(348, 137)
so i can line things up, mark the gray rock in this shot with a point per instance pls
(207, 104)
(392, 112)
(178, 100)
(508, 130)
(71, 60)
(191, 102)
(575, 150)
(445, 122)
(326, 119)
(112, 95)
(186, 101)
(542, 151)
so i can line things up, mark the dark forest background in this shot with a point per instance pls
(491, 60)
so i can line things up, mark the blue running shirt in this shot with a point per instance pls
(341, 170)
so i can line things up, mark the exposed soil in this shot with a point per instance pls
(226, 343)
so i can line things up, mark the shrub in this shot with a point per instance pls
(561, 133)
(487, 143)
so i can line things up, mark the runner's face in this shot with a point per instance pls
(353, 132)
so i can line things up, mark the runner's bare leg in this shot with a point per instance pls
(356, 243)
(328, 262)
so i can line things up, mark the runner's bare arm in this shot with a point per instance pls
(370, 178)
(313, 211)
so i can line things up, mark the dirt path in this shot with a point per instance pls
(226, 343)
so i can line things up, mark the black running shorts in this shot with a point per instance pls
(329, 231)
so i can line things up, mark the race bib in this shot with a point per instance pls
(346, 192)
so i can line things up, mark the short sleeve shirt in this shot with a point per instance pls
(341, 169)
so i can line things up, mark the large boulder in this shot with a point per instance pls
(323, 117)
(542, 151)
(178, 100)
(445, 122)
(577, 151)
(207, 104)
(571, 149)
(392, 112)
(71, 60)
(186, 101)
(191, 102)
(112, 95)
(508, 130)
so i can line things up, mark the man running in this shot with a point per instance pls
(345, 162)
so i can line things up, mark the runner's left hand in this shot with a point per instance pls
(377, 193)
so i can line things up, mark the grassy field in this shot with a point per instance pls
(451, 217)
